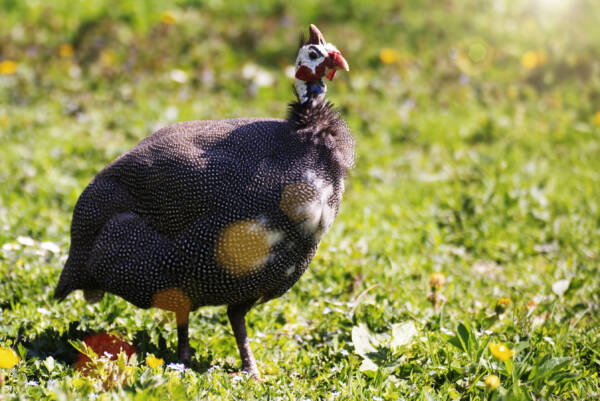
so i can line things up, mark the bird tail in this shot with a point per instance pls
(74, 278)
(62, 289)
(67, 282)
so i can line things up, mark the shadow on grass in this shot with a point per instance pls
(53, 343)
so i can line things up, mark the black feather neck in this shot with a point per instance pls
(315, 114)
(316, 121)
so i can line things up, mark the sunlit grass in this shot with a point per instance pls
(463, 263)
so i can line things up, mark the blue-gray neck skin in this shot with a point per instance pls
(310, 90)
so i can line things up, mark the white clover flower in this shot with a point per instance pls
(9, 246)
(180, 367)
(27, 241)
(50, 246)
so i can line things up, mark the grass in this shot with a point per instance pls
(478, 155)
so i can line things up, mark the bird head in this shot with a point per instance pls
(316, 56)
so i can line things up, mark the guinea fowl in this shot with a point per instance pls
(226, 212)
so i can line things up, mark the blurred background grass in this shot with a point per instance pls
(478, 155)
(423, 73)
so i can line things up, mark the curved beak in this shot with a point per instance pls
(335, 61)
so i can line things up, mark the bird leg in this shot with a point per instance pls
(237, 314)
(183, 341)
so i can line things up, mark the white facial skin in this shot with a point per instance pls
(311, 56)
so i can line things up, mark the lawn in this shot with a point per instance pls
(464, 262)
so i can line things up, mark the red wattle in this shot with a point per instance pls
(331, 75)
(305, 74)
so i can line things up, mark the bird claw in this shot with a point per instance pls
(254, 375)
(185, 356)
(250, 373)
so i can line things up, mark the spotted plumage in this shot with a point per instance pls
(226, 212)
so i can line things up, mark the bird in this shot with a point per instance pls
(216, 212)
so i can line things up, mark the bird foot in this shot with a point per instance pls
(253, 375)
(185, 356)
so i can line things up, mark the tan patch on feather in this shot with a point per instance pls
(174, 300)
(244, 247)
(296, 199)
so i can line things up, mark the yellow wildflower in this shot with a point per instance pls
(492, 382)
(107, 57)
(8, 67)
(8, 358)
(501, 351)
(597, 118)
(502, 304)
(153, 361)
(388, 56)
(167, 18)
(437, 280)
(504, 301)
(533, 58)
(66, 50)
(529, 60)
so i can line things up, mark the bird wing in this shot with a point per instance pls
(189, 170)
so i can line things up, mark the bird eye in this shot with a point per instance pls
(313, 55)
